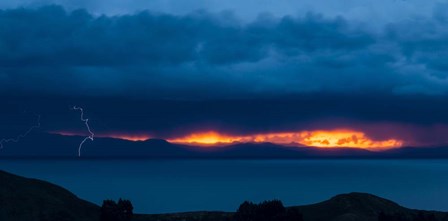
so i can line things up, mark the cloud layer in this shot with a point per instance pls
(201, 55)
(166, 75)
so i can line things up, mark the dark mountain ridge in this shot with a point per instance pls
(52, 145)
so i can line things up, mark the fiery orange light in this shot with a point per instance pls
(340, 138)
(322, 139)
(206, 138)
(347, 138)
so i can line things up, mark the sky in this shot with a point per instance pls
(171, 69)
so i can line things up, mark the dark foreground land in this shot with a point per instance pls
(23, 199)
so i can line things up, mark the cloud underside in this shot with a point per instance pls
(50, 50)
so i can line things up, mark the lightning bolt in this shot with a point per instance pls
(86, 122)
(20, 136)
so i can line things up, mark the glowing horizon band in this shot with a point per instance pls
(336, 138)
(317, 138)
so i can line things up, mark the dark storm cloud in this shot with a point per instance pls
(417, 120)
(167, 75)
(52, 36)
(201, 55)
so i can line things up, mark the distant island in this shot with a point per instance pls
(44, 145)
(24, 199)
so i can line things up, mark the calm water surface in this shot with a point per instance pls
(159, 186)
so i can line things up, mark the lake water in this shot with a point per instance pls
(159, 186)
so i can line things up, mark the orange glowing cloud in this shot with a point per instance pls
(322, 139)
(347, 138)
(206, 138)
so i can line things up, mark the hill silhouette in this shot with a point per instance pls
(357, 206)
(24, 199)
(343, 207)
